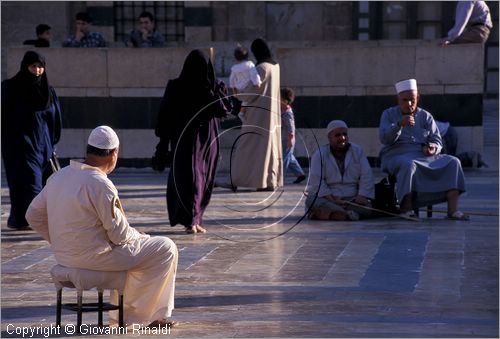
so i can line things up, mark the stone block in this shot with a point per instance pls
(67, 67)
(323, 91)
(73, 143)
(430, 89)
(97, 92)
(137, 92)
(249, 14)
(455, 64)
(380, 90)
(70, 91)
(291, 21)
(463, 89)
(199, 34)
(355, 66)
(144, 67)
(136, 143)
(356, 91)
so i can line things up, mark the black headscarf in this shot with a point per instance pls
(33, 90)
(262, 52)
(198, 71)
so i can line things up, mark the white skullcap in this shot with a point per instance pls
(103, 137)
(406, 85)
(335, 124)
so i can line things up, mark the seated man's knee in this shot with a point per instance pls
(169, 249)
(407, 167)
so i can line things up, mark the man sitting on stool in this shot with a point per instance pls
(412, 144)
(80, 215)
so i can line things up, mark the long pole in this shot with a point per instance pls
(381, 211)
(469, 213)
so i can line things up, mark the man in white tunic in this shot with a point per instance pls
(339, 175)
(411, 152)
(80, 215)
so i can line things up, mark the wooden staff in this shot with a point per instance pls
(469, 213)
(381, 211)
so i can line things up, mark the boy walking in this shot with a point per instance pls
(288, 135)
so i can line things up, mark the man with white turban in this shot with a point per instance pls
(80, 215)
(340, 178)
(411, 152)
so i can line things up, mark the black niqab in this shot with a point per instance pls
(34, 90)
(262, 52)
(198, 71)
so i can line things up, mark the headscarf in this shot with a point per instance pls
(32, 89)
(262, 52)
(198, 71)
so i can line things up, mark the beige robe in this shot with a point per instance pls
(79, 214)
(257, 160)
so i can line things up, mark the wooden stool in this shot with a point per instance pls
(392, 181)
(84, 280)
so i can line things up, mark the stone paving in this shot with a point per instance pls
(263, 271)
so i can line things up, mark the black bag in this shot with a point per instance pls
(385, 196)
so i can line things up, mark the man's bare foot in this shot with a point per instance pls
(169, 323)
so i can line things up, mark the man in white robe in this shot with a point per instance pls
(411, 152)
(340, 174)
(80, 215)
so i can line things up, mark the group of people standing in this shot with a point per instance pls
(188, 123)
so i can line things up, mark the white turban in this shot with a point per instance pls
(103, 137)
(335, 124)
(406, 85)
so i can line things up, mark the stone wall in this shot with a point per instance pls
(349, 80)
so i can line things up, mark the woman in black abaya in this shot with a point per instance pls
(188, 127)
(31, 126)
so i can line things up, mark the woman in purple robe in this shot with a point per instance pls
(188, 128)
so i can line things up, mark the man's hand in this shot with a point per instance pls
(144, 33)
(79, 34)
(361, 200)
(429, 150)
(407, 120)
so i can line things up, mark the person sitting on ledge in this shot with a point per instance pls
(411, 153)
(340, 183)
(83, 37)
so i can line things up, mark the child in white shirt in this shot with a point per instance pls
(242, 73)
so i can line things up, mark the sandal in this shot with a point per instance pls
(458, 215)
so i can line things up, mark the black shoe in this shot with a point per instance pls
(299, 179)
